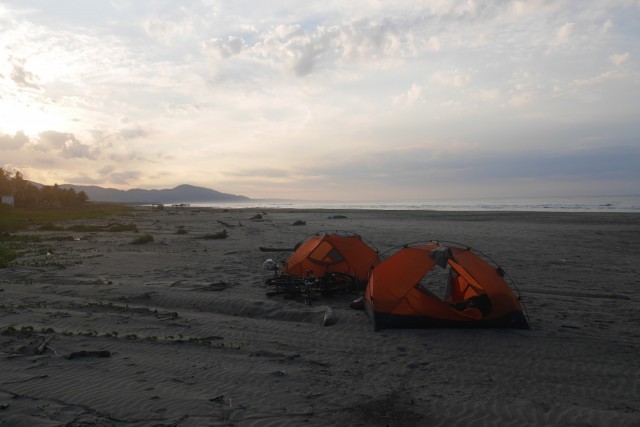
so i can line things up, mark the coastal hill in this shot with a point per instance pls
(180, 194)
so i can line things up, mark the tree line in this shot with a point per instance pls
(27, 195)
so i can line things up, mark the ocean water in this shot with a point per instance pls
(531, 204)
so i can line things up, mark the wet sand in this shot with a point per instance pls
(180, 331)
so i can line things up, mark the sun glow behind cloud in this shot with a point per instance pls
(322, 100)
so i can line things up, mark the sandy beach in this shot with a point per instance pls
(180, 331)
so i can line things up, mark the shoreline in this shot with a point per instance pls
(192, 338)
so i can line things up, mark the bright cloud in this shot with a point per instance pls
(564, 33)
(620, 58)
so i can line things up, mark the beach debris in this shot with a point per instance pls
(336, 217)
(43, 347)
(226, 224)
(89, 353)
(267, 249)
(141, 240)
(219, 235)
(299, 222)
(270, 265)
(256, 217)
(217, 399)
(357, 304)
(329, 318)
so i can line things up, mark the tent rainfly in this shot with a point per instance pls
(340, 252)
(477, 294)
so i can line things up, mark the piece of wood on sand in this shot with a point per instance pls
(89, 353)
(226, 224)
(219, 235)
(268, 249)
(42, 347)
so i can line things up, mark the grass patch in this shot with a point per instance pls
(84, 228)
(145, 238)
(18, 219)
(49, 226)
(114, 228)
(12, 247)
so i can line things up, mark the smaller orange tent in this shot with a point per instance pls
(477, 294)
(339, 252)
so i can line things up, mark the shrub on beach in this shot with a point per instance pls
(49, 226)
(145, 238)
(12, 247)
(116, 228)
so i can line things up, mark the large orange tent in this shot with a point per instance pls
(338, 252)
(477, 294)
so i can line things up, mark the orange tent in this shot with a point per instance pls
(340, 252)
(400, 294)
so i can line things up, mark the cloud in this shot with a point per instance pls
(132, 133)
(489, 95)
(21, 76)
(269, 173)
(247, 92)
(168, 30)
(563, 34)
(116, 176)
(16, 142)
(455, 78)
(225, 48)
(600, 78)
(182, 110)
(410, 98)
(305, 50)
(301, 50)
(522, 98)
(462, 165)
(64, 143)
(620, 58)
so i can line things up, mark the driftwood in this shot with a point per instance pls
(219, 235)
(266, 249)
(85, 353)
(226, 224)
(43, 347)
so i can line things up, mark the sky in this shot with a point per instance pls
(324, 100)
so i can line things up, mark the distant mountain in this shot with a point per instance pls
(180, 194)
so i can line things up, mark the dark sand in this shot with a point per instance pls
(193, 340)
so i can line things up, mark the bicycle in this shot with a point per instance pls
(310, 287)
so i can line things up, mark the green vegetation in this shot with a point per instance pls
(17, 219)
(84, 228)
(13, 220)
(145, 238)
(12, 246)
(27, 195)
(8, 252)
(48, 205)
